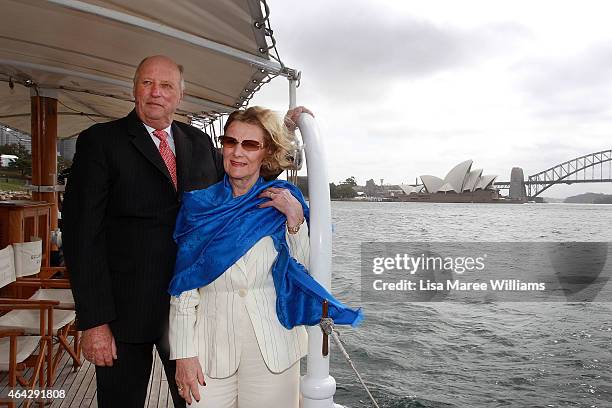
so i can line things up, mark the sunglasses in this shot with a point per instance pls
(247, 144)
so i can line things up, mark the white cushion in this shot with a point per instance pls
(29, 320)
(7, 266)
(25, 347)
(28, 257)
(64, 296)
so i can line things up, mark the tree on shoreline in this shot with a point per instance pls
(344, 189)
(23, 163)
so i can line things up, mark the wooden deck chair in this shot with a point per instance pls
(50, 289)
(29, 273)
(17, 351)
(61, 321)
(58, 290)
(47, 286)
(28, 257)
(45, 327)
(51, 283)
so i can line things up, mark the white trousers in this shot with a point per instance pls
(253, 385)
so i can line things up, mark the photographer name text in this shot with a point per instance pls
(457, 285)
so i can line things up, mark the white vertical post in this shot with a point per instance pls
(292, 93)
(317, 386)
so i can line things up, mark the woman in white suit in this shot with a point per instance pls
(241, 293)
(232, 321)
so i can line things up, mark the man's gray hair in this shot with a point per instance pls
(179, 66)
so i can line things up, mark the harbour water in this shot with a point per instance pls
(521, 354)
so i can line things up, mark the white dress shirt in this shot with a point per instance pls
(204, 321)
(169, 139)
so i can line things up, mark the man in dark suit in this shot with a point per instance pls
(119, 213)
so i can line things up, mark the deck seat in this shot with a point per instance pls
(61, 322)
(63, 296)
(29, 321)
(19, 351)
(25, 347)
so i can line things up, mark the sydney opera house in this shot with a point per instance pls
(460, 185)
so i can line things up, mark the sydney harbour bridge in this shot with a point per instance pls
(590, 168)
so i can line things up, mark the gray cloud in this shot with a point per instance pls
(356, 56)
(359, 48)
(577, 86)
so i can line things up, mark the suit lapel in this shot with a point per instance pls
(143, 142)
(182, 144)
(241, 264)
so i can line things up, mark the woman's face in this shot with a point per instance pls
(239, 163)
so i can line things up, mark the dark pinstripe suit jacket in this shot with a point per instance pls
(118, 218)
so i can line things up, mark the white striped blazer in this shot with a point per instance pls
(203, 322)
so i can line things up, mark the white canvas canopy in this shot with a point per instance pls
(84, 53)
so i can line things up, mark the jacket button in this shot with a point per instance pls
(242, 292)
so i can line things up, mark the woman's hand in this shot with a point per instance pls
(285, 202)
(188, 375)
(292, 115)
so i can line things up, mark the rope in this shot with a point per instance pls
(268, 32)
(292, 176)
(327, 325)
(77, 111)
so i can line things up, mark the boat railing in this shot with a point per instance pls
(317, 386)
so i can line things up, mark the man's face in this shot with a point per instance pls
(157, 92)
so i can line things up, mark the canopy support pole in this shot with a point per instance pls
(44, 151)
(292, 92)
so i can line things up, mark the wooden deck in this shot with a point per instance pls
(80, 386)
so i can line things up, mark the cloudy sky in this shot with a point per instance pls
(405, 88)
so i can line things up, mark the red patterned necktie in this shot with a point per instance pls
(166, 153)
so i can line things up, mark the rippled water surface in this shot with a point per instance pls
(480, 354)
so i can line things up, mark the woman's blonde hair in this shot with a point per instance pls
(278, 141)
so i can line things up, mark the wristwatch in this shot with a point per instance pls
(296, 229)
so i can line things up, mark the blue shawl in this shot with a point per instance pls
(215, 229)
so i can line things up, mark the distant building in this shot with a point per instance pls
(7, 159)
(302, 184)
(459, 179)
(12, 136)
(371, 189)
(394, 191)
(460, 185)
(66, 148)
